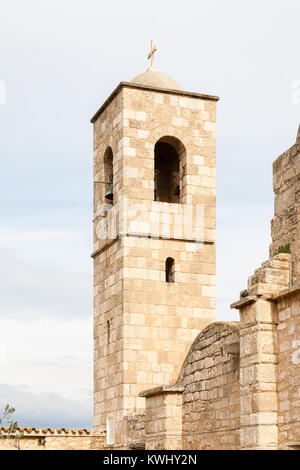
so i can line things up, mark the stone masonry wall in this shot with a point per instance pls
(108, 280)
(163, 423)
(259, 354)
(151, 323)
(108, 356)
(135, 431)
(211, 401)
(288, 333)
(286, 222)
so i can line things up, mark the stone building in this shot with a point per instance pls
(239, 387)
(154, 239)
(166, 374)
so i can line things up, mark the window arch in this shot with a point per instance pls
(108, 176)
(169, 170)
(170, 270)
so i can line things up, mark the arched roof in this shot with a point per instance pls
(156, 78)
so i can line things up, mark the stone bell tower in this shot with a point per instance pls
(154, 239)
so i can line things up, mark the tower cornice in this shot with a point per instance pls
(136, 86)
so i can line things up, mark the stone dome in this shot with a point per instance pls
(153, 77)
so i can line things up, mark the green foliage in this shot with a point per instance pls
(9, 426)
(283, 249)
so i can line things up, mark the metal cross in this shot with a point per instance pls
(151, 53)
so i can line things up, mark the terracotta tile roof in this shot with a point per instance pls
(29, 431)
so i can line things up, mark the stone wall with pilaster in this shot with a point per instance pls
(288, 331)
(258, 380)
(259, 354)
(163, 419)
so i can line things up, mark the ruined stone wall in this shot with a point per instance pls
(163, 420)
(135, 431)
(286, 222)
(288, 337)
(211, 398)
(286, 229)
(270, 358)
(259, 354)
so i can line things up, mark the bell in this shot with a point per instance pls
(110, 193)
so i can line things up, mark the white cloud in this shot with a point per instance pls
(45, 272)
(46, 409)
(48, 356)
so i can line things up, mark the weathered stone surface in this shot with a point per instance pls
(151, 323)
(210, 400)
(285, 224)
(165, 376)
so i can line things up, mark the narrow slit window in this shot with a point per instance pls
(108, 175)
(108, 331)
(170, 270)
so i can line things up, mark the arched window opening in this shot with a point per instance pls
(170, 270)
(108, 331)
(169, 168)
(108, 176)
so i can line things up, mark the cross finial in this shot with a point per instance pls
(151, 54)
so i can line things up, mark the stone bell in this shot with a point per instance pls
(110, 193)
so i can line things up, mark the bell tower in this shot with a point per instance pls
(154, 239)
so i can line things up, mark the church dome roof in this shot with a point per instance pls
(156, 78)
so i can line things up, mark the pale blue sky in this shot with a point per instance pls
(60, 60)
